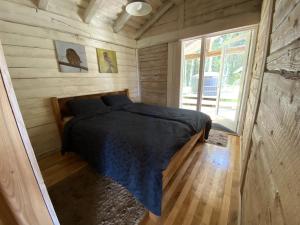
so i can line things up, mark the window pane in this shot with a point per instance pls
(190, 76)
(225, 65)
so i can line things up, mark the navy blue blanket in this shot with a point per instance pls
(131, 148)
(196, 120)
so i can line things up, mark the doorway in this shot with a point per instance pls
(213, 75)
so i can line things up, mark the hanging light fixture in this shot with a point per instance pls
(138, 8)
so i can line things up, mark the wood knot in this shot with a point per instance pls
(298, 114)
(291, 99)
(295, 23)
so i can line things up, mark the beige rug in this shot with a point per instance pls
(217, 137)
(87, 198)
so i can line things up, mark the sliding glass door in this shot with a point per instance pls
(213, 77)
(190, 75)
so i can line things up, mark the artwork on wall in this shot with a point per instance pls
(71, 57)
(107, 61)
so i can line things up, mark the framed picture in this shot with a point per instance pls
(107, 61)
(71, 57)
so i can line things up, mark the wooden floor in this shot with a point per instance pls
(204, 191)
(56, 167)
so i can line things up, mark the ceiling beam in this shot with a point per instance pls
(92, 9)
(43, 4)
(162, 10)
(121, 21)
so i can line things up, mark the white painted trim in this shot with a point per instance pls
(180, 70)
(220, 80)
(201, 73)
(247, 76)
(170, 74)
(222, 32)
(174, 74)
(243, 85)
(139, 75)
(247, 82)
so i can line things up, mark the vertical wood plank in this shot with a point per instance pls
(259, 68)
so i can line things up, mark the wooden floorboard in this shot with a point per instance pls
(56, 167)
(204, 191)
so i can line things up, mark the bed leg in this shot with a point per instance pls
(202, 137)
(155, 219)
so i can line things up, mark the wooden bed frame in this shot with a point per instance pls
(61, 111)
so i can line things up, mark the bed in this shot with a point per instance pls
(139, 146)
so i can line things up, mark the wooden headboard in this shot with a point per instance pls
(61, 111)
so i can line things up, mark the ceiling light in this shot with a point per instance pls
(138, 8)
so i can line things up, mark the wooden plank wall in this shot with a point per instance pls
(27, 35)
(271, 194)
(23, 196)
(195, 12)
(188, 19)
(206, 10)
(153, 63)
(256, 78)
(198, 17)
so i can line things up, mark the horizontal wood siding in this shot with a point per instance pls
(18, 13)
(199, 11)
(271, 193)
(196, 12)
(153, 63)
(30, 53)
(167, 23)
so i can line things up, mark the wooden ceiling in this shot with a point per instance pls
(113, 13)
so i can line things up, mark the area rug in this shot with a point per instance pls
(217, 137)
(87, 198)
(217, 126)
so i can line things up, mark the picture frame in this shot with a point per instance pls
(107, 61)
(71, 57)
